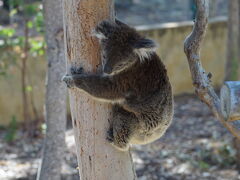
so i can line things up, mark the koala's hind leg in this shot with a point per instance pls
(123, 126)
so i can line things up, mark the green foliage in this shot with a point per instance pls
(30, 10)
(12, 46)
(29, 88)
(15, 3)
(203, 165)
(227, 154)
(38, 21)
(7, 58)
(234, 72)
(37, 47)
(7, 32)
(222, 156)
(10, 136)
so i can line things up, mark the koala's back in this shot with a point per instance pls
(150, 98)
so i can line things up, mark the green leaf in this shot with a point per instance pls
(16, 3)
(30, 9)
(39, 22)
(13, 12)
(29, 24)
(203, 165)
(41, 52)
(7, 32)
(37, 47)
(29, 88)
(12, 130)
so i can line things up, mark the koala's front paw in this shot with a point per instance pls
(68, 79)
(110, 137)
(76, 70)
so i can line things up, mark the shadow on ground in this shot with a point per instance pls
(196, 147)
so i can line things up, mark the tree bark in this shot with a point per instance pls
(97, 159)
(238, 38)
(54, 144)
(232, 41)
(26, 112)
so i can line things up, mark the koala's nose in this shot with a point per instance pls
(107, 70)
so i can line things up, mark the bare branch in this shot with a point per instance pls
(201, 80)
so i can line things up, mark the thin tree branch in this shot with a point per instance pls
(201, 80)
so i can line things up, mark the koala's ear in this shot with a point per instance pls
(103, 29)
(144, 48)
(145, 44)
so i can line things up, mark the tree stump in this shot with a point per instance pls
(230, 100)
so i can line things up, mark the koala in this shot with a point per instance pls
(134, 80)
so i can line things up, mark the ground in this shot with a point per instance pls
(196, 147)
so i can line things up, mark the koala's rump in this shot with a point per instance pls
(148, 137)
(153, 125)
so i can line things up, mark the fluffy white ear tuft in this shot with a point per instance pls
(144, 48)
(98, 35)
(144, 53)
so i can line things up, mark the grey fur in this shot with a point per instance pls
(137, 85)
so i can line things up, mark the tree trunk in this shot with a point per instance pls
(238, 38)
(235, 140)
(26, 113)
(54, 144)
(97, 159)
(232, 41)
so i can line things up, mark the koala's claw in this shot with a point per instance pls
(120, 147)
(76, 70)
(110, 137)
(68, 80)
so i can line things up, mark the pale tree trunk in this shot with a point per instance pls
(232, 41)
(239, 38)
(97, 159)
(54, 144)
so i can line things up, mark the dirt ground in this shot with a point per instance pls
(196, 147)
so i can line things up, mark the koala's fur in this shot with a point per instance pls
(134, 80)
